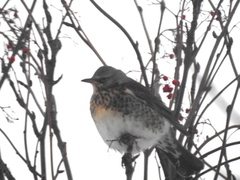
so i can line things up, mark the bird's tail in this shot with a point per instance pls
(185, 162)
(189, 162)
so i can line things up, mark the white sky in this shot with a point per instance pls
(88, 155)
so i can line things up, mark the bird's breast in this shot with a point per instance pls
(107, 104)
(116, 113)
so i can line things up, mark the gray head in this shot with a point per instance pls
(107, 77)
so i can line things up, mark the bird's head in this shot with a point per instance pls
(107, 77)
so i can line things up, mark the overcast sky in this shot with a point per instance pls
(88, 155)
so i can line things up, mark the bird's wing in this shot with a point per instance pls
(155, 103)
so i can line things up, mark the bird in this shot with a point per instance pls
(130, 118)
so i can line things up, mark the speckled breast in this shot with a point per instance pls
(127, 105)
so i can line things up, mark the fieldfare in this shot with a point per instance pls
(122, 107)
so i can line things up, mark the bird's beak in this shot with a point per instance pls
(89, 80)
(92, 81)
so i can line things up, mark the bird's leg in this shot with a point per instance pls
(128, 159)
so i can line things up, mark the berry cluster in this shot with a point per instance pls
(12, 58)
(167, 87)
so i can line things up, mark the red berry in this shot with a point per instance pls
(15, 15)
(169, 96)
(187, 110)
(212, 13)
(9, 46)
(218, 18)
(165, 88)
(25, 50)
(171, 56)
(183, 17)
(165, 78)
(180, 118)
(11, 59)
(175, 82)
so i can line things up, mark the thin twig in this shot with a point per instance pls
(219, 148)
(27, 76)
(18, 153)
(157, 43)
(134, 45)
(202, 86)
(229, 112)
(140, 10)
(214, 167)
(78, 29)
(213, 99)
(189, 59)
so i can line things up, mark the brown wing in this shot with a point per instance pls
(155, 103)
